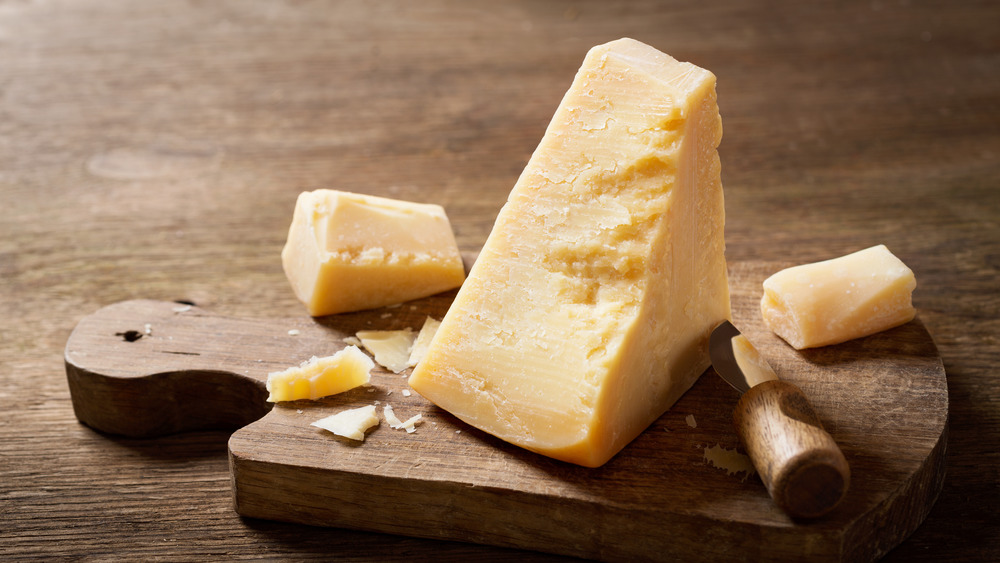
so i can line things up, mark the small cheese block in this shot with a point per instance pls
(589, 309)
(840, 299)
(352, 423)
(321, 377)
(349, 252)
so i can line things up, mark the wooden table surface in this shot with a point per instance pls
(155, 150)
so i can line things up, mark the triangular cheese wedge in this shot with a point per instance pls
(588, 311)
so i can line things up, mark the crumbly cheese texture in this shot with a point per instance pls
(321, 377)
(838, 300)
(349, 252)
(351, 423)
(589, 309)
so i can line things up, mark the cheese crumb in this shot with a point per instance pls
(395, 423)
(293, 332)
(410, 424)
(390, 417)
(352, 423)
(730, 461)
(691, 421)
(406, 393)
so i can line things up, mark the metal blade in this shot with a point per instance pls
(736, 360)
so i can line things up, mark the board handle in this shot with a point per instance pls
(801, 465)
(146, 368)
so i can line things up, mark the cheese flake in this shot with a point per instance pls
(352, 423)
(423, 341)
(391, 348)
(390, 417)
(396, 424)
(730, 461)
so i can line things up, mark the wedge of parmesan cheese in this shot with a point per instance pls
(321, 377)
(352, 423)
(589, 309)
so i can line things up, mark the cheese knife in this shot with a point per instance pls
(799, 462)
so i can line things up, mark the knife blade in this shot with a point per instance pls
(804, 470)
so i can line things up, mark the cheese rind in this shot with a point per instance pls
(349, 252)
(841, 299)
(588, 311)
(321, 377)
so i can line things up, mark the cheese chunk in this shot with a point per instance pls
(840, 299)
(589, 309)
(351, 423)
(321, 377)
(348, 252)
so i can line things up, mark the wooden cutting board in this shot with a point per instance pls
(148, 368)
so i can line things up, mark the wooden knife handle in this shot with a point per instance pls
(803, 468)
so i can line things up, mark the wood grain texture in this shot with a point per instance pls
(154, 151)
(450, 481)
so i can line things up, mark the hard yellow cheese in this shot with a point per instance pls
(348, 252)
(588, 311)
(840, 299)
(321, 377)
